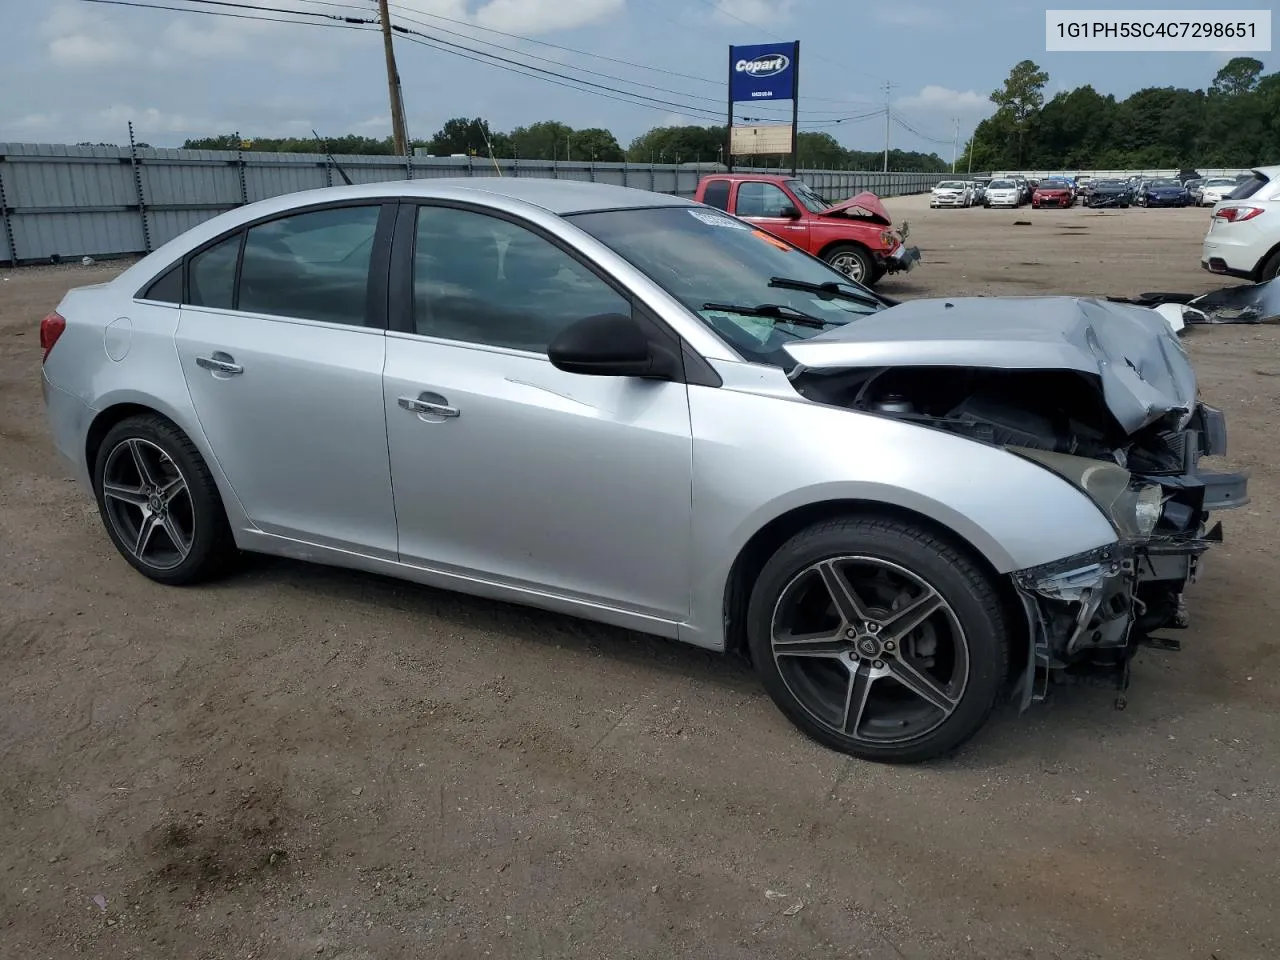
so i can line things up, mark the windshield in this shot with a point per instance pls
(702, 256)
(1164, 183)
(1221, 182)
(1053, 184)
(950, 185)
(1108, 183)
(1002, 185)
(808, 196)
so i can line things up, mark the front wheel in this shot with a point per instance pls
(854, 262)
(879, 639)
(159, 503)
(1271, 269)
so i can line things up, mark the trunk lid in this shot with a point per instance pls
(1141, 366)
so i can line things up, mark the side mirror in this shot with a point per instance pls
(790, 212)
(609, 345)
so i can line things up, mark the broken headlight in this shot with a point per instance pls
(1132, 506)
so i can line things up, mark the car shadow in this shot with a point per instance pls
(463, 613)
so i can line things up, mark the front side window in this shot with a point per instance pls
(481, 279)
(762, 200)
(211, 275)
(312, 266)
(717, 194)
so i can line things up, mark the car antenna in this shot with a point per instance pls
(325, 144)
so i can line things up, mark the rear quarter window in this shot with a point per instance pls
(1249, 187)
(717, 194)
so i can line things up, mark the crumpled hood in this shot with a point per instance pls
(865, 204)
(1142, 367)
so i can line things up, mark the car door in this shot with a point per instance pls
(506, 468)
(764, 204)
(282, 342)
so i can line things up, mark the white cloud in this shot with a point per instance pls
(910, 15)
(542, 16)
(756, 12)
(150, 120)
(82, 39)
(935, 99)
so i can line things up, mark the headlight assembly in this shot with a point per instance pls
(1132, 506)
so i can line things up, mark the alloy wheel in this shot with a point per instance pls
(148, 503)
(848, 264)
(869, 649)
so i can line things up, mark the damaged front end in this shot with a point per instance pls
(1242, 303)
(1100, 394)
(1089, 614)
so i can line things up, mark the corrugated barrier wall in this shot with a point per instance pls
(65, 202)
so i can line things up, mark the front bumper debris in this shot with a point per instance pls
(1243, 303)
(1088, 614)
(902, 258)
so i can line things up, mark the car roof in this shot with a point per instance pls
(766, 177)
(560, 197)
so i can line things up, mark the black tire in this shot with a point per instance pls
(852, 253)
(1271, 269)
(210, 548)
(970, 597)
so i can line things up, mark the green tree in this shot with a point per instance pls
(547, 140)
(595, 143)
(1021, 97)
(677, 145)
(1238, 76)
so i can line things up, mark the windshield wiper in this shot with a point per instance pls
(778, 312)
(831, 288)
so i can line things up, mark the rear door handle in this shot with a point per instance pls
(429, 405)
(220, 363)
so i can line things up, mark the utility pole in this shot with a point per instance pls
(398, 134)
(955, 143)
(887, 109)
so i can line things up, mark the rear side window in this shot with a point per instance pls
(167, 288)
(313, 266)
(717, 194)
(211, 279)
(1249, 187)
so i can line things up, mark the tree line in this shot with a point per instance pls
(1235, 122)
(552, 140)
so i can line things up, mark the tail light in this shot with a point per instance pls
(1237, 214)
(51, 328)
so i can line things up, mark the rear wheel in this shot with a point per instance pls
(1270, 269)
(159, 503)
(854, 262)
(879, 639)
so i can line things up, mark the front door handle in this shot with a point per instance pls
(220, 363)
(429, 406)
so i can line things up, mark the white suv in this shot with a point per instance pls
(1244, 231)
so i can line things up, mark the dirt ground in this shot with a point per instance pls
(304, 762)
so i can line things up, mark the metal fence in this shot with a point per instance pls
(59, 202)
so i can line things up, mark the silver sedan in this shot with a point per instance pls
(642, 411)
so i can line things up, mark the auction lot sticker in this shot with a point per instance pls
(1147, 31)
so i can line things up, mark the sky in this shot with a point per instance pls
(80, 71)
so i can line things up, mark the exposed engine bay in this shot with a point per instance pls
(1085, 614)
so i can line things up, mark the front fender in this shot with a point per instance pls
(760, 455)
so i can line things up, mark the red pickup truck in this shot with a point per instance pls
(856, 237)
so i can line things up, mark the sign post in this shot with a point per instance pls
(760, 72)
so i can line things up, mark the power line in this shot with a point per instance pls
(347, 24)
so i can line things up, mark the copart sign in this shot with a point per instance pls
(763, 71)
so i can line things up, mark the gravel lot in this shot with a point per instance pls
(304, 762)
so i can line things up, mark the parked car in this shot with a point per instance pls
(857, 236)
(1052, 192)
(1193, 188)
(1216, 189)
(979, 188)
(1084, 184)
(1003, 193)
(951, 193)
(1109, 193)
(1162, 192)
(641, 410)
(1243, 239)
